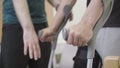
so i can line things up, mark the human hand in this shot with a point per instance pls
(79, 35)
(47, 35)
(31, 44)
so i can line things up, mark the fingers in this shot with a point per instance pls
(34, 51)
(30, 51)
(25, 49)
(76, 39)
(46, 38)
(70, 38)
(31, 45)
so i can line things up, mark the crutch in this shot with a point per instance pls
(54, 42)
(108, 4)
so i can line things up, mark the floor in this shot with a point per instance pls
(67, 57)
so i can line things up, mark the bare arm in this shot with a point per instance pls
(92, 13)
(59, 17)
(29, 36)
(54, 3)
(22, 11)
(81, 33)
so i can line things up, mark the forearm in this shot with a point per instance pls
(23, 15)
(54, 3)
(61, 12)
(92, 13)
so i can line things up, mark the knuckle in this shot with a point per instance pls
(35, 50)
(77, 35)
(84, 39)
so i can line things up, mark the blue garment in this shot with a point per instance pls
(36, 8)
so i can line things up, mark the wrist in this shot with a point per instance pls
(86, 25)
(53, 30)
(28, 28)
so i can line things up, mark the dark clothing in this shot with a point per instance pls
(0, 61)
(12, 48)
(12, 53)
(36, 9)
(113, 20)
(80, 60)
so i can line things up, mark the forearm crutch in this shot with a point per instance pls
(54, 42)
(108, 4)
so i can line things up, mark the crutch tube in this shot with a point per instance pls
(108, 4)
(55, 37)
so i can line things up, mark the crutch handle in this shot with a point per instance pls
(91, 48)
(54, 42)
(65, 34)
(40, 33)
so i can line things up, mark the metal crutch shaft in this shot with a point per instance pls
(91, 48)
(108, 4)
(54, 42)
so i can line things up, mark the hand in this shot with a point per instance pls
(31, 44)
(79, 35)
(47, 35)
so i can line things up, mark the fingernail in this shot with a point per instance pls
(39, 56)
(25, 54)
(36, 59)
(31, 57)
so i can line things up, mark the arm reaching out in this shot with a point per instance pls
(54, 3)
(30, 38)
(81, 33)
(58, 19)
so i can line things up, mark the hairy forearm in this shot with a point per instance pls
(22, 12)
(92, 13)
(61, 12)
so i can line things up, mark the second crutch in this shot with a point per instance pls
(108, 5)
(55, 37)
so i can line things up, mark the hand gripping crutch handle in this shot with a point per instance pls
(108, 4)
(54, 42)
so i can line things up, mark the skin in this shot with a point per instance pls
(80, 33)
(49, 32)
(30, 38)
